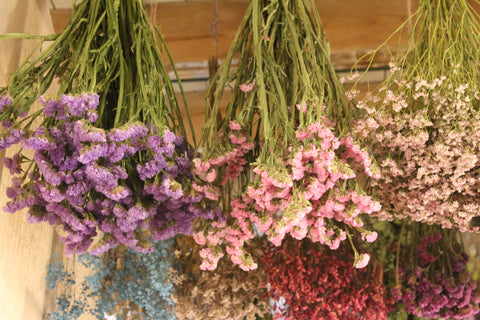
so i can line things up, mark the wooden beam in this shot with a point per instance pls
(68, 4)
(353, 27)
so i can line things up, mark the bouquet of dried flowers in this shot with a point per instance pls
(319, 283)
(109, 150)
(432, 280)
(122, 284)
(281, 159)
(424, 122)
(225, 293)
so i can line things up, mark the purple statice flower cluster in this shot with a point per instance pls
(131, 183)
(5, 101)
(437, 291)
(11, 135)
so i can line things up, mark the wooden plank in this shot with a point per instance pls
(353, 27)
(60, 18)
(62, 4)
(68, 4)
(186, 27)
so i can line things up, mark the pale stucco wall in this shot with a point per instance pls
(25, 248)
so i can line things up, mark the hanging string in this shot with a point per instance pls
(213, 61)
(214, 27)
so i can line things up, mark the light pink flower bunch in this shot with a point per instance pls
(231, 163)
(279, 160)
(426, 137)
(424, 122)
(305, 193)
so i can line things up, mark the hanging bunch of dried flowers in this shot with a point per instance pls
(122, 284)
(319, 283)
(110, 153)
(431, 276)
(281, 159)
(223, 294)
(424, 121)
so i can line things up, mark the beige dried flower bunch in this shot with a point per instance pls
(225, 293)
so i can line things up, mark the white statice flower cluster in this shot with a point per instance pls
(426, 138)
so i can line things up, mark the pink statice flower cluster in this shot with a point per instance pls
(425, 135)
(308, 192)
(131, 183)
(227, 166)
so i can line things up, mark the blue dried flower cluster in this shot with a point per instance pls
(138, 287)
(70, 304)
(132, 183)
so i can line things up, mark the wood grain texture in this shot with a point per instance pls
(352, 26)
(25, 248)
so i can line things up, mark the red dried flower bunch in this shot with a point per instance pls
(319, 283)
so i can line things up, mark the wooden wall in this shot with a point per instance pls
(352, 26)
(25, 248)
